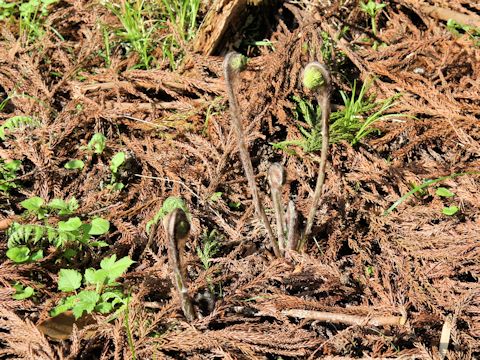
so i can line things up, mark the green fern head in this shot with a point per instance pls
(312, 78)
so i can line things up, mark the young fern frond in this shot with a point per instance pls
(17, 122)
(232, 65)
(317, 78)
(177, 227)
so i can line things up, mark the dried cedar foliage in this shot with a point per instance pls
(416, 260)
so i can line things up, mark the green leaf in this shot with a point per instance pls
(86, 301)
(33, 203)
(104, 307)
(451, 210)
(37, 255)
(99, 226)
(74, 164)
(65, 305)
(18, 254)
(117, 160)
(22, 293)
(95, 277)
(71, 224)
(57, 204)
(444, 192)
(115, 268)
(69, 280)
(216, 196)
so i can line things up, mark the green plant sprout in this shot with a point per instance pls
(21, 292)
(352, 123)
(97, 143)
(371, 8)
(321, 87)
(8, 174)
(448, 210)
(424, 185)
(100, 293)
(136, 31)
(74, 164)
(31, 15)
(115, 163)
(458, 29)
(26, 242)
(210, 247)
(171, 203)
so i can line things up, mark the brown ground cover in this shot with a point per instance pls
(414, 263)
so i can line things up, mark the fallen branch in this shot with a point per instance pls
(338, 318)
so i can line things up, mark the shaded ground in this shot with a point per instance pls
(174, 128)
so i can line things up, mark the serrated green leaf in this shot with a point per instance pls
(99, 226)
(71, 224)
(86, 301)
(451, 210)
(18, 254)
(65, 305)
(33, 203)
(444, 192)
(74, 164)
(69, 280)
(104, 307)
(95, 277)
(115, 268)
(57, 204)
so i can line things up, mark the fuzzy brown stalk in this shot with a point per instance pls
(339, 318)
(276, 179)
(323, 98)
(231, 69)
(177, 227)
(292, 226)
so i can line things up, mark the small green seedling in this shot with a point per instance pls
(21, 292)
(97, 143)
(171, 203)
(450, 210)
(458, 29)
(74, 164)
(444, 192)
(115, 163)
(210, 247)
(100, 293)
(372, 8)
